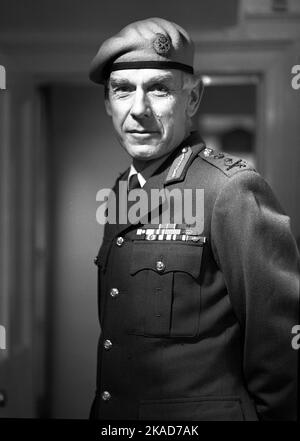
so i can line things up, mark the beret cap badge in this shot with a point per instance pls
(161, 44)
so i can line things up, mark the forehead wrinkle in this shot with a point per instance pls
(163, 76)
(119, 81)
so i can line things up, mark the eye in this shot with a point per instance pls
(159, 89)
(122, 90)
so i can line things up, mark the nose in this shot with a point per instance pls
(140, 106)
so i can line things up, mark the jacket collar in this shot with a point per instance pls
(179, 160)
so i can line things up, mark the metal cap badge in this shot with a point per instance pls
(161, 44)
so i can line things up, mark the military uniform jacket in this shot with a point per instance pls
(201, 330)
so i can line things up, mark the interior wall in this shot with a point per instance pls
(283, 132)
(17, 134)
(84, 157)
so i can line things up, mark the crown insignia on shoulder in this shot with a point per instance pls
(227, 163)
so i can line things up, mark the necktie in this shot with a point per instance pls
(134, 182)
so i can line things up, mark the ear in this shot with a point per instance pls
(195, 97)
(107, 106)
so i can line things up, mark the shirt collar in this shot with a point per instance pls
(140, 177)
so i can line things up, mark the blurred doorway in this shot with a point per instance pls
(227, 117)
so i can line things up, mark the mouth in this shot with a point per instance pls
(142, 135)
(142, 132)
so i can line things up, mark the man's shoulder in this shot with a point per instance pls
(216, 171)
(122, 176)
(229, 178)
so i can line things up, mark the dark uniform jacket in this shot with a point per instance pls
(201, 330)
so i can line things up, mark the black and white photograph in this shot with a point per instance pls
(149, 214)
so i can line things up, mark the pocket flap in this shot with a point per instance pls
(175, 256)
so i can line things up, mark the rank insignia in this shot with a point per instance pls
(229, 165)
(207, 152)
(239, 163)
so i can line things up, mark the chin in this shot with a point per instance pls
(143, 152)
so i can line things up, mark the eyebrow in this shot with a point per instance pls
(155, 79)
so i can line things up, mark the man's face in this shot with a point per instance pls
(148, 109)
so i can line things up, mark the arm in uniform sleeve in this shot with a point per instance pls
(257, 253)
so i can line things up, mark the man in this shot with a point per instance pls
(196, 319)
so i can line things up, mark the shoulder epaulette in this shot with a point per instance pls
(228, 164)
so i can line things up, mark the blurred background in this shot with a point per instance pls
(57, 149)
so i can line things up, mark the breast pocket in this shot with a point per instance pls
(165, 288)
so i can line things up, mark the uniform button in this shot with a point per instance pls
(114, 292)
(160, 266)
(96, 260)
(120, 241)
(105, 395)
(184, 150)
(107, 344)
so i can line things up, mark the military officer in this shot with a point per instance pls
(196, 323)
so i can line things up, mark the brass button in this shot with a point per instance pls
(107, 344)
(96, 260)
(160, 266)
(184, 150)
(105, 395)
(120, 241)
(114, 292)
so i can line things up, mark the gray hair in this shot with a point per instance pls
(191, 82)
